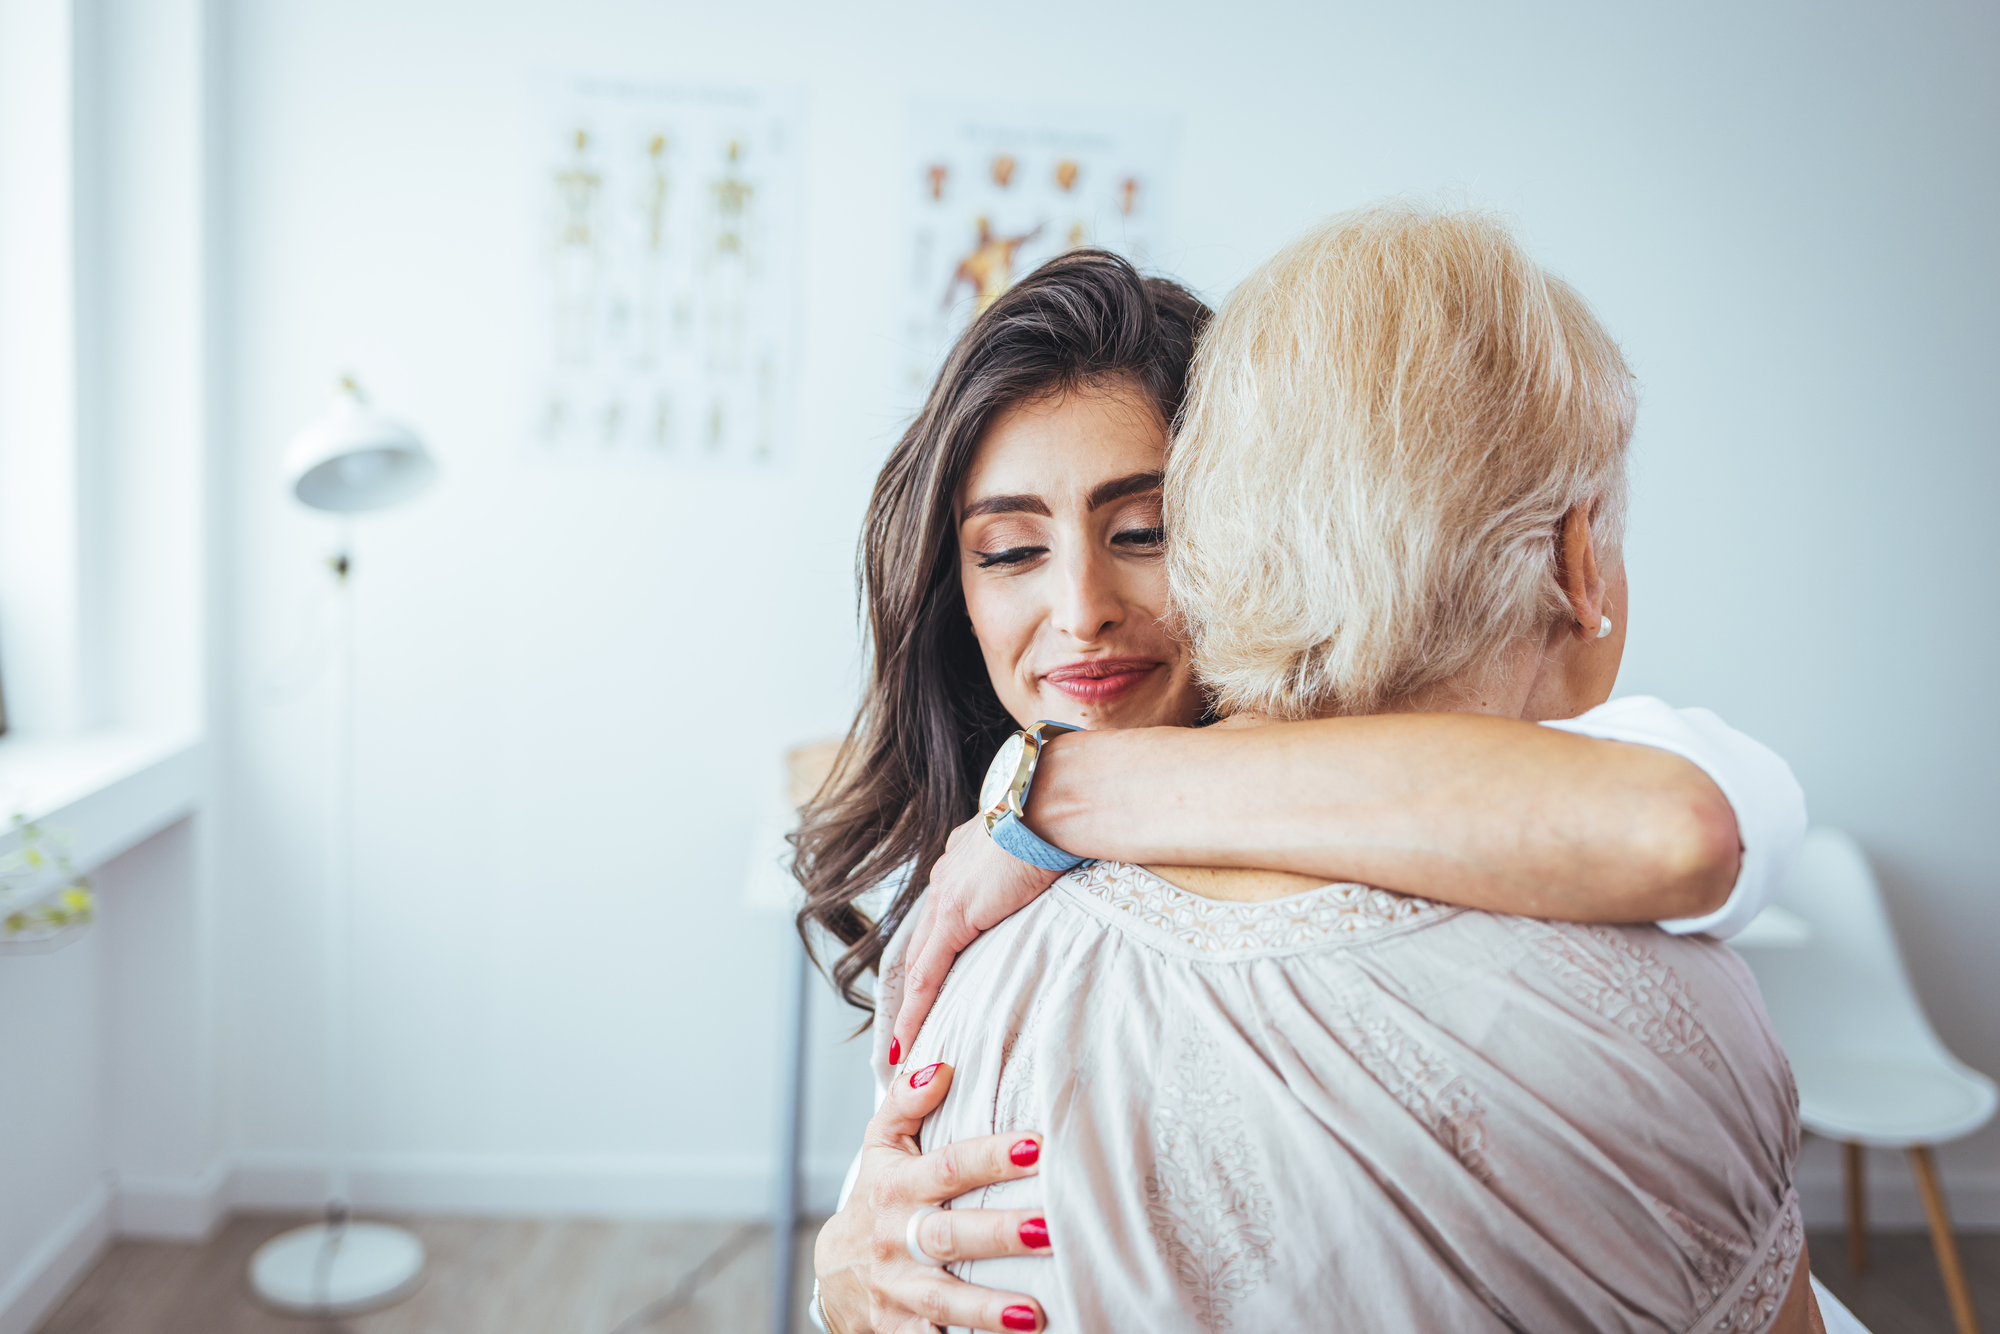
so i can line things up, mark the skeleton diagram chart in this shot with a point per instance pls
(994, 191)
(669, 270)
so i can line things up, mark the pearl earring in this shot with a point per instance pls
(1603, 626)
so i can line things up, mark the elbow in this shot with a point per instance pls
(1697, 854)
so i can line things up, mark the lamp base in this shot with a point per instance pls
(322, 1271)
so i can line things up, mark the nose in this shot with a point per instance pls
(1087, 603)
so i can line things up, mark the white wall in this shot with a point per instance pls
(106, 1091)
(159, 1134)
(578, 679)
(52, 1168)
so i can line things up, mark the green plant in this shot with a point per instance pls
(55, 902)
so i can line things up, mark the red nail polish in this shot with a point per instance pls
(925, 1075)
(1025, 1153)
(1035, 1233)
(1018, 1317)
(895, 1051)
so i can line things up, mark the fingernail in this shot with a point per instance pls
(895, 1051)
(1018, 1317)
(1035, 1233)
(925, 1075)
(1025, 1153)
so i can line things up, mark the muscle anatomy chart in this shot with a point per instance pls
(669, 269)
(994, 191)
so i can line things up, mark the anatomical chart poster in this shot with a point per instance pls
(668, 249)
(994, 191)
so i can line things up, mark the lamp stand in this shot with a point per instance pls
(338, 1267)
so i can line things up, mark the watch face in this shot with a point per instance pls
(1001, 775)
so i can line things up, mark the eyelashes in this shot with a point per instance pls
(1139, 540)
(1011, 556)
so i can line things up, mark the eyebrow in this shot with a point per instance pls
(1116, 489)
(1119, 488)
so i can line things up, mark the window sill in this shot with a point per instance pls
(100, 793)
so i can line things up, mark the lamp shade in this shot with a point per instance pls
(351, 459)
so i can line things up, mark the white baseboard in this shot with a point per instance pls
(639, 1186)
(48, 1272)
(607, 1186)
(174, 1208)
(1893, 1205)
(659, 1186)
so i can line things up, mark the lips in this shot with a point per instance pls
(1096, 680)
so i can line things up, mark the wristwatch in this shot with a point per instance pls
(1003, 797)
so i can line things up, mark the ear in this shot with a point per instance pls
(1576, 570)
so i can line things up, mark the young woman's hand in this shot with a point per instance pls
(868, 1281)
(976, 884)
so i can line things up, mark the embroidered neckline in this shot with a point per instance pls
(1212, 926)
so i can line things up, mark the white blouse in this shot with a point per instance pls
(1769, 804)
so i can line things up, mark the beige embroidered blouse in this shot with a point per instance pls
(1350, 1109)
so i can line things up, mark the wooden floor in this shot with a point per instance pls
(558, 1276)
(1900, 1291)
(486, 1276)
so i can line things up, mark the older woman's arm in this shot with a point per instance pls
(1492, 813)
(1693, 826)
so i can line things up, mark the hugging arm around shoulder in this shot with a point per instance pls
(1641, 812)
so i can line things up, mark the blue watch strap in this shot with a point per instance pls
(1030, 847)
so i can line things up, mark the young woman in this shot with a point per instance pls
(1024, 582)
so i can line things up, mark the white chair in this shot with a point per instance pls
(1871, 1072)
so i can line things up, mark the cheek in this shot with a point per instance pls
(1004, 622)
(1150, 588)
(1146, 593)
(1000, 622)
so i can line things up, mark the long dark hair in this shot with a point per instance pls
(930, 721)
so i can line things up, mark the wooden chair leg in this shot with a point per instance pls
(1854, 1165)
(1925, 1167)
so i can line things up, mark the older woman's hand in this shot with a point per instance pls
(868, 1281)
(976, 884)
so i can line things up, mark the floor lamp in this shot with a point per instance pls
(346, 462)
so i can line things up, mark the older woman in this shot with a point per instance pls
(1271, 1102)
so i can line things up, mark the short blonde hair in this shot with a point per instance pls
(1388, 421)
